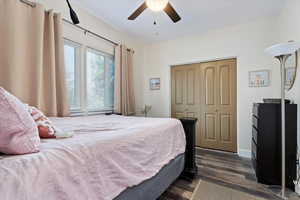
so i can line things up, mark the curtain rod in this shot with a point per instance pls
(94, 34)
(90, 32)
(32, 4)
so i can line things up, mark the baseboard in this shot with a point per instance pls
(297, 189)
(244, 153)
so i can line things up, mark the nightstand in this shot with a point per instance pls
(190, 168)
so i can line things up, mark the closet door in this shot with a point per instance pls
(209, 125)
(179, 99)
(185, 92)
(207, 91)
(218, 105)
(226, 100)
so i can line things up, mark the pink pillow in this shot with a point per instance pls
(45, 126)
(18, 131)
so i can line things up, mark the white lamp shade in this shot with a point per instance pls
(283, 49)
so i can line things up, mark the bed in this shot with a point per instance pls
(109, 157)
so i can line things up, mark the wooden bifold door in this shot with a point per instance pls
(207, 91)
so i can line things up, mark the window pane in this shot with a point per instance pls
(95, 81)
(109, 83)
(100, 81)
(70, 63)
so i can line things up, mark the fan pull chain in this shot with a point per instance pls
(155, 23)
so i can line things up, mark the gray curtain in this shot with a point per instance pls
(124, 102)
(32, 57)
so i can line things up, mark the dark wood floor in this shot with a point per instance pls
(225, 169)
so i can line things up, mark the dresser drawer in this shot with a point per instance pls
(254, 164)
(255, 109)
(255, 121)
(254, 150)
(254, 134)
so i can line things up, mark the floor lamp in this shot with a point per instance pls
(282, 52)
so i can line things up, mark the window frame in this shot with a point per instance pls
(80, 71)
(105, 55)
(78, 79)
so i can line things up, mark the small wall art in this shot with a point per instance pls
(259, 78)
(290, 76)
(155, 84)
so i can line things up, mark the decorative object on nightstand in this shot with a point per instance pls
(190, 168)
(146, 110)
(282, 52)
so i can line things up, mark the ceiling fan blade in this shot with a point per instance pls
(138, 12)
(73, 15)
(172, 13)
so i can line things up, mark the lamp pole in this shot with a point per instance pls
(282, 59)
(282, 52)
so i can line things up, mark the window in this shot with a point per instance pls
(72, 61)
(90, 83)
(100, 81)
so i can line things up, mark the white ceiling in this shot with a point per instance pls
(198, 16)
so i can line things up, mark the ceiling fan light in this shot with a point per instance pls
(157, 5)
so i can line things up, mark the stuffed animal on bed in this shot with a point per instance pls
(45, 126)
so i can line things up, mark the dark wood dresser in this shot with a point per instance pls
(190, 169)
(266, 143)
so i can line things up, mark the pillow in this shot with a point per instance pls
(45, 126)
(18, 132)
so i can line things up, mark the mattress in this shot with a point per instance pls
(107, 155)
(154, 187)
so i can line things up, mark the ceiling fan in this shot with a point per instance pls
(157, 6)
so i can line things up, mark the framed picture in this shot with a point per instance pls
(259, 78)
(291, 66)
(155, 84)
(290, 76)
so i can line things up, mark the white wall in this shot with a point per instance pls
(246, 42)
(96, 25)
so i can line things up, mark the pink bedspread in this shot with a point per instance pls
(106, 155)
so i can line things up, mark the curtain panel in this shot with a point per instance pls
(124, 99)
(32, 57)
